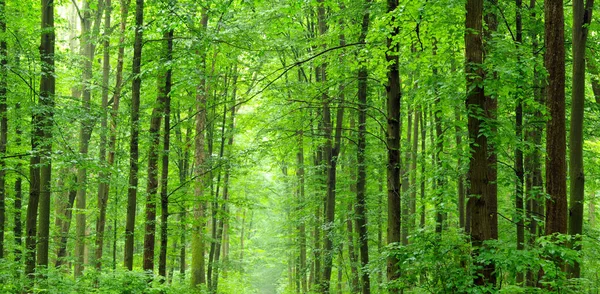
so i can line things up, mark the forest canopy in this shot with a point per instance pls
(287, 146)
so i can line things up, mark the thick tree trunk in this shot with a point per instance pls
(198, 239)
(47, 92)
(394, 96)
(556, 169)
(480, 204)
(582, 17)
(134, 137)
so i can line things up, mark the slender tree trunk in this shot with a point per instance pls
(198, 239)
(18, 230)
(301, 203)
(582, 17)
(361, 178)
(423, 119)
(556, 169)
(460, 179)
(47, 92)
(134, 137)
(87, 123)
(440, 214)
(534, 206)
(3, 123)
(480, 203)
(406, 156)
(394, 96)
(104, 176)
(519, 172)
(164, 182)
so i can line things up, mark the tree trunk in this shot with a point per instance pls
(164, 182)
(3, 123)
(361, 178)
(582, 17)
(556, 181)
(519, 145)
(65, 225)
(47, 92)
(18, 230)
(479, 204)
(133, 143)
(460, 179)
(394, 96)
(301, 203)
(104, 176)
(198, 239)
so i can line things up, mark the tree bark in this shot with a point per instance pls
(46, 101)
(164, 182)
(361, 178)
(3, 122)
(480, 204)
(134, 137)
(394, 96)
(554, 61)
(519, 172)
(104, 176)
(582, 17)
(198, 240)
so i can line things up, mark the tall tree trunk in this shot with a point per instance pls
(104, 176)
(3, 123)
(423, 119)
(134, 137)
(164, 182)
(556, 169)
(46, 102)
(112, 140)
(480, 203)
(534, 206)
(361, 177)
(152, 187)
(394, 96)
(582, 17)
(87, 123)
(198, 240)
(519, 184)
(440, 183)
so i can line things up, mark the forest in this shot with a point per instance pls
(299, 146)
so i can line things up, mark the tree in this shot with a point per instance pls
(198, 239)
(133, 143)
(480, 204)
(394, 96)
(582, 17)
(556, 168)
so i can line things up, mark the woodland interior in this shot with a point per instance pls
(299, 146)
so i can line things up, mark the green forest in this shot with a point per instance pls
(299, 146)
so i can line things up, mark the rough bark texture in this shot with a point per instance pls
(394, 96)
(134, 137)
(198, 239)
(582, 16)
(480, 220)
(556, 167)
